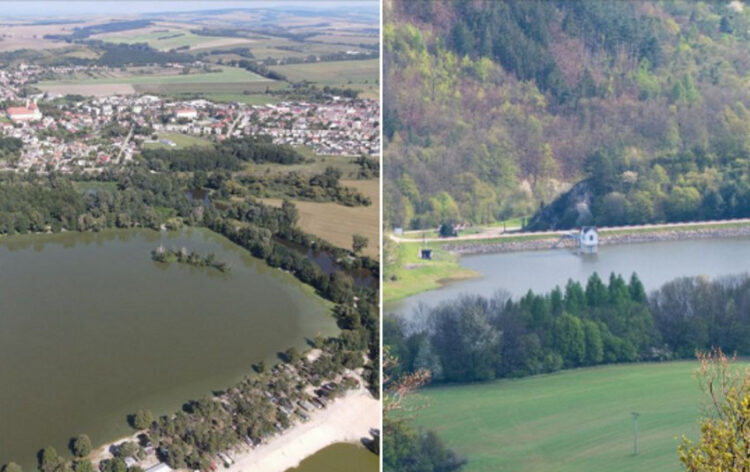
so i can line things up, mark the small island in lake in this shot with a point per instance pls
(160, 254)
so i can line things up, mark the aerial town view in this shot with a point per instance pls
(189, 236)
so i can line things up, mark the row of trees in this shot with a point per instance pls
(475, 338)
(323, 187)
(227, 155)
(251, 410)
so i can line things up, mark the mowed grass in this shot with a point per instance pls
(338, 223)
(181, 141)
(333, 73)
(572, 421)
(405, 273)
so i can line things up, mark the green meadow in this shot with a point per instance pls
(572, 421)
(332, 73)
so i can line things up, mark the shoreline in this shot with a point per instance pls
(731, 229)
(348, 419)
(606, 238)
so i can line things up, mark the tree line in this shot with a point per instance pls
(229, 155)
(323, 187)
(474, 338)
(134, 198)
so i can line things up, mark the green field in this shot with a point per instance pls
(181, 141)
(165, 39)
(225, 75)
(334, 73)
(405, 273)
(572, 421)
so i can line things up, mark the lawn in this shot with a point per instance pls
(573, 421)
(181, 141)
(405, 273)
(337, 223)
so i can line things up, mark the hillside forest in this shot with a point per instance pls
(576, 112)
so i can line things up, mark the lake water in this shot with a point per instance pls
(91, 329)
(655, 263)
(341, 457)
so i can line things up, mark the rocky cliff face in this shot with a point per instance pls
(570, 210)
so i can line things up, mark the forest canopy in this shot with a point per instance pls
(495, 108)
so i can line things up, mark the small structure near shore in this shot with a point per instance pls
(588, 240)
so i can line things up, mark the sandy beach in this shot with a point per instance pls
(348, 419)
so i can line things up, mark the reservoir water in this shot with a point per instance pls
(91, 329)
(341, 457)
(655, 263)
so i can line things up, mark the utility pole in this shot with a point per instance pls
(635, 432)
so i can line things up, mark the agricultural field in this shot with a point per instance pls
(350, 39)
(227, 79)
(165, 38)
(572, 421)
(359, 74)
(225, 74)
(337, 223)
(31, 36)
(281, 48)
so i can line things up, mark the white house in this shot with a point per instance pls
(588, 240)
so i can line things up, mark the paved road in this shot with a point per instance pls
(497, 233)
(124, 145)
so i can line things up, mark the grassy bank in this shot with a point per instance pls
(407, 274)
(577, 421)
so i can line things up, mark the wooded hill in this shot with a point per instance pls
(495, 108)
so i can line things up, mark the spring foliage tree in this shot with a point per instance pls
(724, 444)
